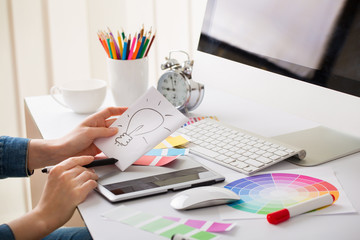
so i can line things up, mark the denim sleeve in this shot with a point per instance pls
(6, 233)
(13, 157)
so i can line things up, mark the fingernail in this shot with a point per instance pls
(114, 129)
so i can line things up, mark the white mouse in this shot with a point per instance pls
(203, 197)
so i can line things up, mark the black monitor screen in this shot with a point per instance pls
(314, 41)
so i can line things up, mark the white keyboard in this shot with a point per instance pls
(235, 148)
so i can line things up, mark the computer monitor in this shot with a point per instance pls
(302, 56)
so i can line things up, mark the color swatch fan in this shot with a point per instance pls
(266, 193)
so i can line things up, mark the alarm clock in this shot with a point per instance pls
(177, 86)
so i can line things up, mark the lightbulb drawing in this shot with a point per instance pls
(136, 126)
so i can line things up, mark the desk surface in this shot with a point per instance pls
(54, 121)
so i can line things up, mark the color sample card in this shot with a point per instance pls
(154, 160)
(168, 152)
(161, 157)
(266, 193)
(166, 226)
(173, 141)
(142, 126)
(208, 226)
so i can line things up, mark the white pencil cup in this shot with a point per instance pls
(128, 79)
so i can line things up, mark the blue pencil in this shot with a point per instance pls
(141, 46)
(124, 49)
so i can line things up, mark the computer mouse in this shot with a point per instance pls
(203, 197)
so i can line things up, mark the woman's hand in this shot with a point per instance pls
(78, 142)
(67, 185)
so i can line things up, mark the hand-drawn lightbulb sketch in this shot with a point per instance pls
(137, 127)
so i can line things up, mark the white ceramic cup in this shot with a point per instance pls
(83, 96)
(129, 79)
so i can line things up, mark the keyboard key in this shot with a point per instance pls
(260, 152)
(281, 153)
(221, 157)
(229, 154)
(206, 152)
(274, 157)
(289, 151)
(234, 163)
(240, 151)
(250, 169)
(264, 159)
(254, 163)
(242, 158)
(241, 164)
(253, 156)
(222, 151)
(267, 154)
(228, 160)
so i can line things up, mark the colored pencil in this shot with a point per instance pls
(120, 44)
(137, 49)
(115, 44)
(145, 46)
(124, 49)
(109, 46)
(128, 47)
(141, 47)
(113, 48)
(142, 31)
(152, 40)
(103, 43)
(132, 47)
(123, 33)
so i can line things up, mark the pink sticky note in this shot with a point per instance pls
(154, 160)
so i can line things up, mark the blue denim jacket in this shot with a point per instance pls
(13, 163)
(13, 157)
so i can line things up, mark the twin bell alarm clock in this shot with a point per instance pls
(177, 86)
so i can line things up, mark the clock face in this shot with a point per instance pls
(174, 88)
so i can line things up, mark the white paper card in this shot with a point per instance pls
(142, 126)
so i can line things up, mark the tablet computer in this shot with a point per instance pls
(140, 181)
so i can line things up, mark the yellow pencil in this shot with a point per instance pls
(120, 44)
(113, 48)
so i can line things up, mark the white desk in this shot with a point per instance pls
(54, 121)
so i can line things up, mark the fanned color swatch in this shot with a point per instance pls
(267, 193)
(196, 119)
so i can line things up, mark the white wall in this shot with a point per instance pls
(47, 42)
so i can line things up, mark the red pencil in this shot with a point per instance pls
(152, 39)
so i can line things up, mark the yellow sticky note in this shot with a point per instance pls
(170, 142)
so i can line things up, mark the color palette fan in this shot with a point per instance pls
(266, 193)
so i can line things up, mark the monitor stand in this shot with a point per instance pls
(321, 144)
